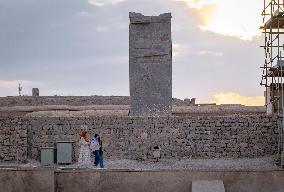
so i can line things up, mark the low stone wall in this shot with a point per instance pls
(13, 140)
(73, 100)
(23, 180)
(166, 180)
(123, 110)
(63, 100)
(50, 180)
(134, 138)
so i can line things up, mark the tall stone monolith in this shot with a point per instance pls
(150, 64)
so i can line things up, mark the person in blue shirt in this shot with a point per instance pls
(97, 149)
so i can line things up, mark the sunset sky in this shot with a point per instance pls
(80, 47)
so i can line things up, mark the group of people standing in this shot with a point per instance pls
(88, 146)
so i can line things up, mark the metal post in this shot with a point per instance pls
(281, 143)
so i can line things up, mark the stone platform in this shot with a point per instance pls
(84, 180)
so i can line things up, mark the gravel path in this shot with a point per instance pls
(264, 163)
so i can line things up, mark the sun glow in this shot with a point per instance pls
(235, 98)
(239, 18)
(104, 2)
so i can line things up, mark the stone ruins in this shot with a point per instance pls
(134, 137)
(150, 64)
(132, 126)
(35, 92)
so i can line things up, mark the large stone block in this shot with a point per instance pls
(35, 92)
(150, 64)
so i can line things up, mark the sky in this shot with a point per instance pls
(80, 47)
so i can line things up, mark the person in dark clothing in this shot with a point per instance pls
(97, 148)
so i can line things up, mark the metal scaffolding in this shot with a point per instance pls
(273, 68)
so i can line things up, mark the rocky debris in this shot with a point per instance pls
(228, 164)
(263, 163)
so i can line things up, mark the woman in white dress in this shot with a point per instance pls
(84, 151)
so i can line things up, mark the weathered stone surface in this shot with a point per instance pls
(27, 179)
(35, 92)
(135, 137)
(150, 64)
(208, 186)
(13, 140)
(243, 145)
(180, 107)
(56, 180)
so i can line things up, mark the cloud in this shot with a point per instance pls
(84, 14)
(5, 84)
(235, 98)
(82, 49)
(104, 2)
(229, 17)
(213, 53)
(101, 28)
(176, 49)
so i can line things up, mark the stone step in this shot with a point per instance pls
(208, 186)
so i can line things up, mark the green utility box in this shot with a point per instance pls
(64, 152)
(47, 156)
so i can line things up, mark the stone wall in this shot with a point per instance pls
(63, 100)
(13, 139)
(123, 110)
(134, 138)
(150, 64)
(72, 100)
(107, 180)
